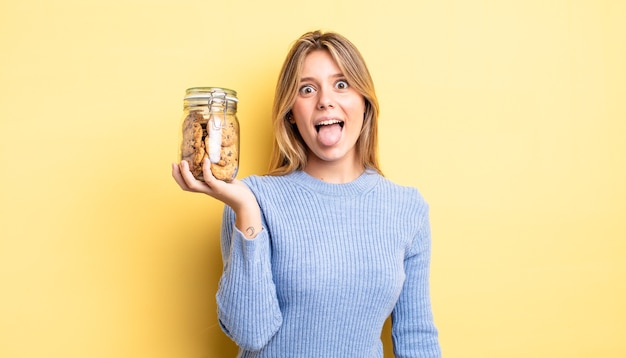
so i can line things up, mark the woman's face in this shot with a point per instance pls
(327, 111)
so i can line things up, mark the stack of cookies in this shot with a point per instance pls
(216, 138)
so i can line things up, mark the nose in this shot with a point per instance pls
(325, 99)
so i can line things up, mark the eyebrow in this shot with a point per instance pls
(310, 79)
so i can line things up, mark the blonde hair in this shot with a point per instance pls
(289, 152)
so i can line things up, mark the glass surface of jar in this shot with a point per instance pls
(210, 129)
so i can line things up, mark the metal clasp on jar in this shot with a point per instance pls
(216, 123)
(221, 99)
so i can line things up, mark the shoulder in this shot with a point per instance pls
(270, 188)
(408, 204)
(266, 182)
(403, 194)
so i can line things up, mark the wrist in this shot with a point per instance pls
(251, 232)
(248, 220)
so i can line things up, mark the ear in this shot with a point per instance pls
(290, 118)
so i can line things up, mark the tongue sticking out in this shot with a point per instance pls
(330, 134)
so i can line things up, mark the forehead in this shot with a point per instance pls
(319, 62)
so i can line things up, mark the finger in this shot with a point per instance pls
(218, 187)
(190, 181)
(206, 172)
(178, 177)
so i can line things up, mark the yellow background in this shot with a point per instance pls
(510, 116)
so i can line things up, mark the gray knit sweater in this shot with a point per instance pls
(332, 263)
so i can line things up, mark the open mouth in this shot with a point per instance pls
(328, 123)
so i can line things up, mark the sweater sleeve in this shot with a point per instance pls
(247, 304)
(413, 329)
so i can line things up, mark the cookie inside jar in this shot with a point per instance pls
(211, 130)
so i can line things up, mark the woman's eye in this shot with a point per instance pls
(306, 90)
(341, 84)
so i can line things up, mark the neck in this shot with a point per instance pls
(339, 172)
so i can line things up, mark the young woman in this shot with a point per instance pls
(319, 252)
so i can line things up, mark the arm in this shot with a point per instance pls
(247, 304)
(248, 308)
(413, 329)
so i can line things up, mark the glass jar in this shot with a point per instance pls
(211, 130)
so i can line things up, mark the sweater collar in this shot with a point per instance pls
(366, 181)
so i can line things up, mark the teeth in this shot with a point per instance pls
(328, 122)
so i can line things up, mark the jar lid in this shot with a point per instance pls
(214, 93)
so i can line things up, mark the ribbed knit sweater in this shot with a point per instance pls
(332, 262)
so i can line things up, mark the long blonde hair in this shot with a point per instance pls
(289, 151)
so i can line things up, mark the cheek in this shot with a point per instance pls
(298, 110)
(357, 108)
(356, 102)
